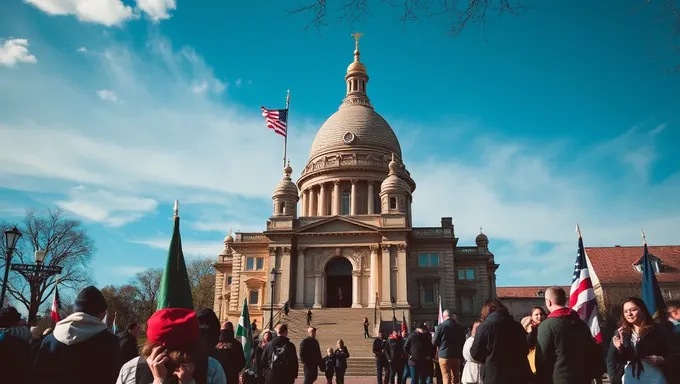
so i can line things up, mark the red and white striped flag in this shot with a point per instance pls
(276, 119)
(582, 296)
(56, 306)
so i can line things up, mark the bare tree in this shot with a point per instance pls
(202, 280)
(147, 284)
(66, 244)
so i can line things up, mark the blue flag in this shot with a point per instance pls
(651, 294)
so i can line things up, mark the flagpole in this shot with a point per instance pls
(285, 138)
(644, 238)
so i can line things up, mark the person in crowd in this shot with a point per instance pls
(381, 364)
(449, 338)
(329, 365)
(173, 350)
(472, 370)
(407, 372)
(257, 369)
(420, 351)
(286, 308)
(15, 351)
(254, 325)
(530, 324)
(128, 343)
(341, 356)
(310, 356)
(229, 352)
(673, 307)
(395, 357)
(566, 352)
(35, 336)
(309, 317)
(431, 369)
(81, 349)
(280, 358)
(208, 328)
(244, 377)
(366, 324)
(645, 349)
(500, 343)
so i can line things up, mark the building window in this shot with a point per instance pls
(657, 264)
(540, 293)
(428, 294)
(254, 297)
(393, 203)
(346, 196)
(282, 207)
(229, 280)
(466, 274)
(254, 264)
(376, 203)
(428, 260)
(466, 304)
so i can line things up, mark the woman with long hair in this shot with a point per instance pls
(643, 347)
(341, 356)
(501, 344)
(472, 370)
(530, 324)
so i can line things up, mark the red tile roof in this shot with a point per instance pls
(614, 265)
(522, 292)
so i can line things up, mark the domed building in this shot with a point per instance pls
(341, 236)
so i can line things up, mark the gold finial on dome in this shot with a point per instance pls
(288, 170)
(356, 36)
(480, 230)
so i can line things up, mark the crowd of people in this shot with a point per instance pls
(186, 347)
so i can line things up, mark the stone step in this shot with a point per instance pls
(356, 367)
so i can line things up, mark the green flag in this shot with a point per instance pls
(245, 332)
(175, 290)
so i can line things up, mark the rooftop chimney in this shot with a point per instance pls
(447, 222)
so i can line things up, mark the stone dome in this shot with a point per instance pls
(393, 183)
(286, 187)
(355, 126)
(482, 240)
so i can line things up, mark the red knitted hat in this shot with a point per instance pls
(172, 327)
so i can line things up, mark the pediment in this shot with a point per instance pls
(335, 225)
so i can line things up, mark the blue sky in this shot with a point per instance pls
(526, 126)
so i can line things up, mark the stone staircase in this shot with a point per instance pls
(333, 324)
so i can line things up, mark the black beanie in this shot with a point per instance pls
(209, 326)
(91, 301)
(9, 317)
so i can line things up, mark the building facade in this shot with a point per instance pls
(521, 300)
(342, 234)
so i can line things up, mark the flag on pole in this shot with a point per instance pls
(404, 326)
(245, 332)
(276, 119)
(582, 296)
(105, 320)
(114, 328)
(440, 316)
(651, 294)
(56, 305)
(175, 290)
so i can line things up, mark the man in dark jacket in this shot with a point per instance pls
(566, 352)
(449, 338)
(310, 356)
(128, 343)
(395, 357)
(280, 359)
(229, 352)
(15, 352)
(81, 350)
(420, 351)
(379, 351)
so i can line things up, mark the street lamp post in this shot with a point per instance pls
(271, 300)
(394, 316)
(35, 274)
(11, 238)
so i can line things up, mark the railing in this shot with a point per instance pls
(252, 237)
(432, 232)
(276, 318)
(466, 249)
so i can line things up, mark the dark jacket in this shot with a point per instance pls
(329, 365)
(566, 352)
(419, 349)
(128, 347)
(341, 356)
(80, 350)
(532, 337)
(15, 358)
(257, 368)
(500, 343)
(379, 348)
(657, 342)
(310, 352)
(291, 373)
(229, 352)
(450, 338)
(395, 352)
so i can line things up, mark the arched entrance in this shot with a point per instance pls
(338, 283)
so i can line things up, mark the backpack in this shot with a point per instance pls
(279, 362)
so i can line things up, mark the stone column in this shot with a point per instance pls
(336, 198)
(374, 277)
(356, 289)
(353, 198)
(402, 292)
(284, 273)
(300, 279)
(303, 204)
(312, 202)
(371, 198)
(386, 274)
(317, 291)
(322, 201)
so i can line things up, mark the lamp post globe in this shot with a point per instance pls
(40, 256)
(11, 238)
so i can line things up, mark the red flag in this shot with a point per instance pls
(404, 326)
(56, 306)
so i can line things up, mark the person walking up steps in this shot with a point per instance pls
(309, 317)
(310, 356)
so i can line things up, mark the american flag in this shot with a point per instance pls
(56, 306)
(582, 296)
(276, 119)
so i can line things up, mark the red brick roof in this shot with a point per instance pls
(614, 265)
(523, 292)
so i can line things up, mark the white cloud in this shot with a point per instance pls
(189, 248)
(199, 88)
(108, 95)
(157, 9)
(106, 12)
(82, 50)
(238, 82)
(106, 207)
(125, 270)
(14, 51)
